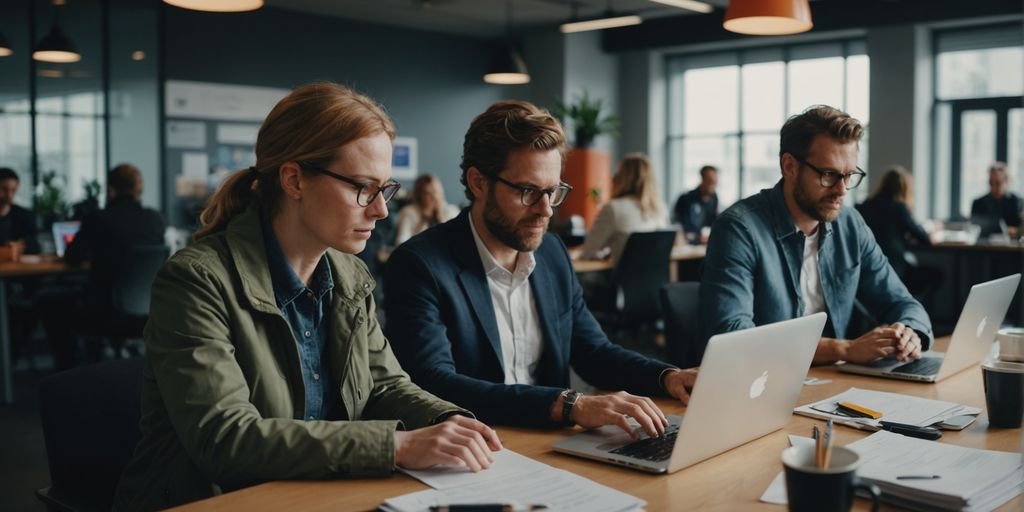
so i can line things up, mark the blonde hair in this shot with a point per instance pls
(635, 178)
(420, 191)
(308, 126)
(896, 184)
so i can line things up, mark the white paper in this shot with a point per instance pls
(512, 478)
(894, 407)
(186, 135)
(776, 491)
(195, 166)
(237, 133)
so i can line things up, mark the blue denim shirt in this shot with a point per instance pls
(306, 309)
(752, 271)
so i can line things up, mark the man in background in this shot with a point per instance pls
(698, 208)
(17, 224)
(999, 205)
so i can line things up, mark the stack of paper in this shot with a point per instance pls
(967, 478)
(894, 407)
(512, 479)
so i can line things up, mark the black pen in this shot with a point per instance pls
(917, 477)
(486, 507)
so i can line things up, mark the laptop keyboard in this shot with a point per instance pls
(655, 449)
(923, 366)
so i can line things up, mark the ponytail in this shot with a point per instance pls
(232, 198)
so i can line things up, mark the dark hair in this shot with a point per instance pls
(126, 180)
(998, 168)
(800, 130)
(706, 169)
(504, 127)
(6, 173)
(896, 184)
(309, 125)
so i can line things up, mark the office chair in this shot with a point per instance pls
(679, 304)
(127, 307)
(90, 418)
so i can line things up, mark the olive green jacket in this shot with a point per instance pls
(223, 397)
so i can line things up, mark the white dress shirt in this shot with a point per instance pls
(522, 341)
(810, 279)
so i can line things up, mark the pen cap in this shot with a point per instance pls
(809, 488)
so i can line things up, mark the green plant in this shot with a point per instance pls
(92, 189)
(587, 121)
(50, 203)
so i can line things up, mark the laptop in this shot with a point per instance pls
(748, 384)
(972, 338)
(63, 233)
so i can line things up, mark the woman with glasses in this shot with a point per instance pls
(428, 209)
(635, 206)
(264, 358)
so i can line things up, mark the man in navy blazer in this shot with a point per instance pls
(486, 311)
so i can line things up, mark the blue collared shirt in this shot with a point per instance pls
(752, 271)
(307, 310)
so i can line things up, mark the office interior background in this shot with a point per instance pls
(939, 84)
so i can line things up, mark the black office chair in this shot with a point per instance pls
(629, 303)
(123, 313)
(679, 305)
(90, 419)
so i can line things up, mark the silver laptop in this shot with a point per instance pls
(972, 338)
(748, 385)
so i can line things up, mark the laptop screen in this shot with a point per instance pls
(63, 233)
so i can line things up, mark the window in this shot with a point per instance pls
(979, 80)
(726, 110)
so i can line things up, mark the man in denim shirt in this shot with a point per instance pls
(794, 250)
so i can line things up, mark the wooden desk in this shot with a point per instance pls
(733, 480)
(679, 253)
(46, 266)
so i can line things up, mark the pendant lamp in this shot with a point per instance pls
(217, 5)
(508, 66)
(5, 46)
(56, 46)
(768, 17)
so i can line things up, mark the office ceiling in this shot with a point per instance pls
(478, 18)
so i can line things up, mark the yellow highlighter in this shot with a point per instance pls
(858, 410)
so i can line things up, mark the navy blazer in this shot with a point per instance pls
(442, 327)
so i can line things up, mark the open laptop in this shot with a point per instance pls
(748, 384)
(63, 233)
(972, 338)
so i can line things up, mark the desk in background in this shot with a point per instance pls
(46, 266)
(733, 480)
(680, 253)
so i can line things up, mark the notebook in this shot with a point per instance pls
(749, 382)
(63, 233)
(972, 338)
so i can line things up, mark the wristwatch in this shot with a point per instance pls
(569, 398)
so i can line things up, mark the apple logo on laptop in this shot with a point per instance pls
(757, 387)
(981, 327)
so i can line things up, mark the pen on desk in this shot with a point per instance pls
(827, 458)
(918, 477)
(487, 507)
(858, 411)
(816, 435)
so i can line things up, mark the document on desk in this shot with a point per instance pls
(513, 478)
(959, 478)
(894, 407)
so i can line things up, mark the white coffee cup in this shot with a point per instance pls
(1011, 344)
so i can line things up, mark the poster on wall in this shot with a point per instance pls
(404, 159)
(220, 102)
(186, 135)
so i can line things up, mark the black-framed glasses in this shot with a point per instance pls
(366, 193)
(829, 177)
(531, 196)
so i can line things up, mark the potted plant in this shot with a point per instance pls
(587, 170)
(587, 119)
(50, 204)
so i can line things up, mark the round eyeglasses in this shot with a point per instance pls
(828, 177)
(531, 196)
(366, 193)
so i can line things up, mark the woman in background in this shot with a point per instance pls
(428, 209)
(635, 207)
(264, 358)
(887, 213)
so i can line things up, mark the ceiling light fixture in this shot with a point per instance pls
(608, 20)
(690, 5)
(768, 17)
(56, 46)
(508, 66)
(217, 5)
